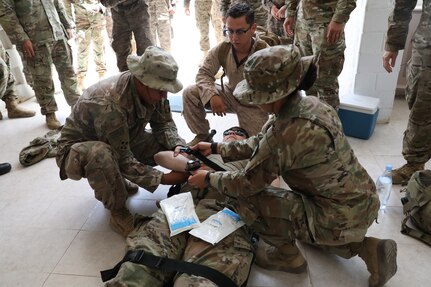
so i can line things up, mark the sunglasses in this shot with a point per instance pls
(237, 132)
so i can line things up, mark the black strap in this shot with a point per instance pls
(140, 257)
(203, 158)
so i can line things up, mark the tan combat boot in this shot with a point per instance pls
(121, 221)
(51, 121)
(403, 174)
(287, 258)
(14, 111)
(198, 138)
(380, 256)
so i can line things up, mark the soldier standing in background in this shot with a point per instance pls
(7, 92)
(90, 25)
(417, 139)
(276, 16)
(260, 13)
(160, 14)
(129, 17)
(37, 30)
(319, 30)
(206, 11)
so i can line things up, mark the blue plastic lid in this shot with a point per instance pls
(389, 167)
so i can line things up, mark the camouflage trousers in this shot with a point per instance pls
(89, 30)
(127, 20)
(206, 10)
(251, 118)
(160, 23)
(59, 54)
(279, 217)
(232, 256)
(417, 139)
(310, 37)
(99, 163)
(7, 82)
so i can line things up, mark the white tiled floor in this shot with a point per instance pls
(54, 233)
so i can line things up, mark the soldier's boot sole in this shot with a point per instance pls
(381, 261)
(198, 139)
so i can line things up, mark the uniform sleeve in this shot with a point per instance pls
(111, 126)
(267, 4)
(239, 150)
(343, 10)
(111, 3)
(398, 25)
(10, 23)
(205, 78)
(62, 14)
(259, 172)
(163, 127)
(291, 6)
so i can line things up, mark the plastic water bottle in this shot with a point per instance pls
(384, 186)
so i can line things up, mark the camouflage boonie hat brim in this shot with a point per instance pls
(156, 69)
(272, 74)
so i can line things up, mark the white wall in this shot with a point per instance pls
(363, 72)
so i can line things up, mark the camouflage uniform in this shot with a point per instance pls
(196, 97)
(232, 256)
(7, 82)
(43, 23)
(90, 25)
(276, 26)
(129, 16)
(105, 140)
(160, 22)
(260, 13)
(417, 140)
(312, 21)
(206, 10)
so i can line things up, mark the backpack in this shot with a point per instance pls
(417, 206)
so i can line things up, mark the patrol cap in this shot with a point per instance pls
(272, 74)
(156, 69)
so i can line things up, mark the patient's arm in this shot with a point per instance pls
(167, 160)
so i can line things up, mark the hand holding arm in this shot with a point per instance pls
(27, 49)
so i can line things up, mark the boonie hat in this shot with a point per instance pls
(156, 69)
(272, 74)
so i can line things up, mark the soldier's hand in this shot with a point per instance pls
(217, 106)
(197, 180)
(70, 33)
(274, 12)
(334, 32)
(389, 59)
(289, 25)
(203, 147)
(27, 49)
(282, 12)
(187, 11)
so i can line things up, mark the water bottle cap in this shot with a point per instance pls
(389, 167)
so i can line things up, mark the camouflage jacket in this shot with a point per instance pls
(322, 10)
(398, 26)
(205, 78)
(111, 112)
(40, 21)
(305, 144)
